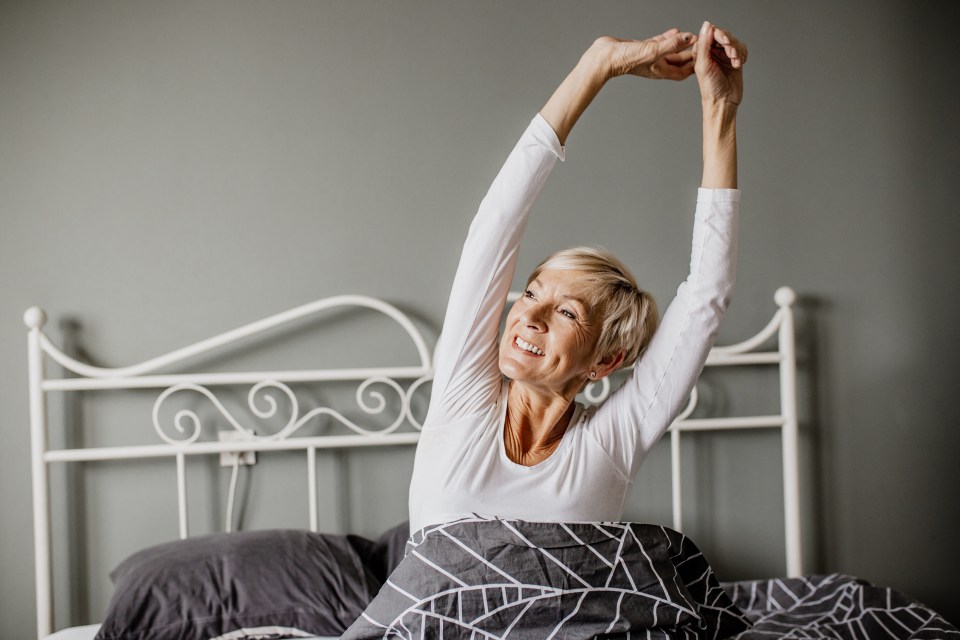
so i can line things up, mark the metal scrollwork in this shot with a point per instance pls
(408, 402)
(189, 416)
(597, 392)
(264, 405)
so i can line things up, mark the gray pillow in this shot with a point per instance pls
(388, 551)
(262, 584)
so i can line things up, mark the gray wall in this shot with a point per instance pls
(171, 170)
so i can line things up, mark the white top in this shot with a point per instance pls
(461, 465)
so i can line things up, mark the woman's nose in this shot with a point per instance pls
(535, 316)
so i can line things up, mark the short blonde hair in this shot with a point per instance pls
(629, 313)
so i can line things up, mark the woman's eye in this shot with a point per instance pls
(569, 314)
(528, 294)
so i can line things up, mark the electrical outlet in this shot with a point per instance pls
(228, 459)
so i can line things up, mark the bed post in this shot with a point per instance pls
(35, 318)
(785, 297)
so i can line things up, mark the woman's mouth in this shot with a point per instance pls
(527, 346)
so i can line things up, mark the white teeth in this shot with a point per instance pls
(523, 344)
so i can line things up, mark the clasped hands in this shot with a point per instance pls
(714, 55)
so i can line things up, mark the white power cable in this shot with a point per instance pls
(231, 495)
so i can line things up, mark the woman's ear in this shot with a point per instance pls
(608, 365)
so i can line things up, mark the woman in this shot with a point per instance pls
(522, 447)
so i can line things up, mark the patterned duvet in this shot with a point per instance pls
(483, 578)
(833, 606)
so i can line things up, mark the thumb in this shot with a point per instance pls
(704, 42)
(676, 42)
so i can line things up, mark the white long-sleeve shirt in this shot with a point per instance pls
(461, 466)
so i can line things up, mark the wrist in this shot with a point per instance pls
(719, 110)
(719, 146)
(719, 121)
(598, 60)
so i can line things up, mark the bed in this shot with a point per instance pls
(476, 578)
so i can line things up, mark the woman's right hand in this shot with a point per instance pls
(666, 56)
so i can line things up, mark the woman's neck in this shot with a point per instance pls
(535, 423)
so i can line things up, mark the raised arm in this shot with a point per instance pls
(638, 413)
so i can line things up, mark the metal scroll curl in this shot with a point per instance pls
(378, 407)
(597, 392)
(262, 401)
(408, 400)
(186, 422)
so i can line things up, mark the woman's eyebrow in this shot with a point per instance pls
(571, 297)
(567, 296)
(583, 303)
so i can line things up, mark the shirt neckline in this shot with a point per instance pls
(564, 439)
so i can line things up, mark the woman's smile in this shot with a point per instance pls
(528, 347)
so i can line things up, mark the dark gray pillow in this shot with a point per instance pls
(532, 580)
(261, 584)
(388, 551)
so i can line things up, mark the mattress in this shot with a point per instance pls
(88, 632)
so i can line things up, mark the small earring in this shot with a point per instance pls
(593, 374)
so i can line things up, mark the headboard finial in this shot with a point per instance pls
(785, 296)
(34, 318)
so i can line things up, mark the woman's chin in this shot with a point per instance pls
(511, 369)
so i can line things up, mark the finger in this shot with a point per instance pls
(725, 37)
(733, 56)
(704, 43)
(732, 52)
(726, 55)
(675, 43)
(736, 50)
(666, 71)
(679, 72)
(741, 51)
(666, 34)
(680, 58)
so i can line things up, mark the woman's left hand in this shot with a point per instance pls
(719, 65)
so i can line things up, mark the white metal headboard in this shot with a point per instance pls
(186, 442)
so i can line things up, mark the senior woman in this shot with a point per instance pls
(504, 435)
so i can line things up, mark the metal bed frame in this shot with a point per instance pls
(187, 423)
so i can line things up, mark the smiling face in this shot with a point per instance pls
(551, 333)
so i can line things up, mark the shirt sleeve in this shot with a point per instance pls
(631, 421)
(466, 372)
